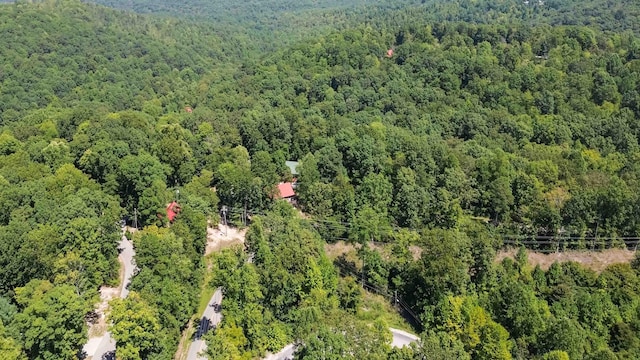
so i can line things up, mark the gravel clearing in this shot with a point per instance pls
(222, 236)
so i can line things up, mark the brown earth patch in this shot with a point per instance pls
(221, 237)
(594, 260)
(107, 294)
(335, 250)
(416, 251)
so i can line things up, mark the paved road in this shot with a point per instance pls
(126, 258)
(210, 319)
(400, 339)
(105, 347)
(284, 354)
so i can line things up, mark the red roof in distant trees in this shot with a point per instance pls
(286, 190)
(172, 210)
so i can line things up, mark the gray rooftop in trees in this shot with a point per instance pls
(292, 166)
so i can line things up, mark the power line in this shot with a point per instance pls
(546, 237)
(350, 270)
(508, 239)
(556, 241)
(568, 241)
(538, 243)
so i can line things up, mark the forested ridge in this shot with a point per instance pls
(520, 125)
(446, 127)
(64, 53)
(270, 24)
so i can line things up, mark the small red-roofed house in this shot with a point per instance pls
(390, 53)
(172, 210)
(285, 191)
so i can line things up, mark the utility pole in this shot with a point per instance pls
(224, 218)
(135, 218)
(245, 211)
(363, 272)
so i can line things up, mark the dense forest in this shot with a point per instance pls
(526, 127)
(274, 23)
(450, 127)
(69, 55)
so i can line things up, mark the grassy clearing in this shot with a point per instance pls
(375, 306)
(378, 307)
(207, 291)
(205, 296)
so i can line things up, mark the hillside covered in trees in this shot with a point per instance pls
(527, 127)
(273, 23)
(66, 54)
(447, 127)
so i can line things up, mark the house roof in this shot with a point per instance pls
(172, 210)
(292, 166)
(285, 190)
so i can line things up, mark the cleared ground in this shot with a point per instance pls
(222, 236)
(334, 250)
(594, 260)
(107, 294)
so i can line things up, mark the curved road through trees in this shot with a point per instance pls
(105, 350)
(400, 339)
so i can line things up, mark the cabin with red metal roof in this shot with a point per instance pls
(285, 191)
(172, 210)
